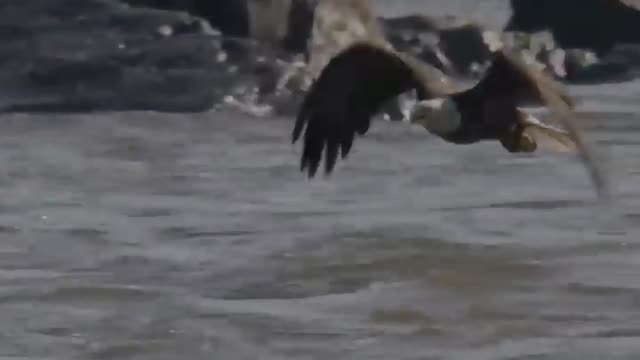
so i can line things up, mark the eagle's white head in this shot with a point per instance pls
(439, 116)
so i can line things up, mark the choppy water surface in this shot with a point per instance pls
(143, 235)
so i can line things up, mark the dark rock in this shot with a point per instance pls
(285, 23)
(465, 49)
(300, 23)
(230, 17)
(106, 56)
(417, 35)
(575, 66)
(465, 46)
(101, 55)
(596, 25)
(585, 67)
(449, 45)
(150, 76)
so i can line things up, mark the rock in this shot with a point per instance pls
(95, 55)
(285, 23)
(98, 55)
(448, 44)
(585, 67)
(417, 35)
(596, 25)
(300, 22)
(574, 66)
(148, 75)
(465, 46)
(230, 17)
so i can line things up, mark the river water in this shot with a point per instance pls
(144, 235)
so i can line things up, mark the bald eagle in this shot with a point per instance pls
(356, 82)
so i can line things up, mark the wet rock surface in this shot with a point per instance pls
(600, 38)
(230, 17)
(284, 23)
(102, 55)
(466, 48)
(596, 25)
(93, 55)
(449, 44)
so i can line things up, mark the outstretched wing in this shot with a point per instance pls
(526, 86)
(349, 91)
(561, 110)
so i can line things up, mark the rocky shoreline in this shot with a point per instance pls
(93, 55)
(585, 42)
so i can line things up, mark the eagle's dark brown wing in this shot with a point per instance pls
(348, 92)
(510, 77)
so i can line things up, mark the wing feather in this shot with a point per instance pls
(348, 92)
(509, 76)
(531, 85)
